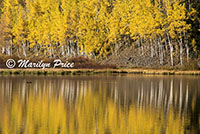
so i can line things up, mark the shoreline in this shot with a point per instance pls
(96, 71)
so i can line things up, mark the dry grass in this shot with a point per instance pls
(94, 71)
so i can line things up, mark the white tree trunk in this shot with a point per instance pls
(8, 50)
(181, 54)
(187, 52)
(3, 50)
(181, 51)
(24, 48)
(160, 51)
(171, 51)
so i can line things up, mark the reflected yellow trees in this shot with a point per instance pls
(39, 115)
(46, 112)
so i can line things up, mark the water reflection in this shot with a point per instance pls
(100, 104)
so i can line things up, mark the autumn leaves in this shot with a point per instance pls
(94, 27)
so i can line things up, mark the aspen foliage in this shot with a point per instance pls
(96, 28)
(7, 20)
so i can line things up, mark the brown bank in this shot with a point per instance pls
(95, 71)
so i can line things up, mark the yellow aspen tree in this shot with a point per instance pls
(87, 25)
(91, 26)
(56, 29)
(39, 25)
(54, 19)
(44, 22)
(72, 27)
(136, 20)
(170, 32)
(19, 30)
(65, 15)
(119, 23)
(69, 27)
(123, 10)
(5, 33)
(8, 18)
(177, 25)
(32, 15)
(103, 28)
(156, 27)
(137, 23)
(114, 26)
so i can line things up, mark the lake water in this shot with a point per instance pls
(100, 104)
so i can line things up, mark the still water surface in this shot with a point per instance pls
(130, 104)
